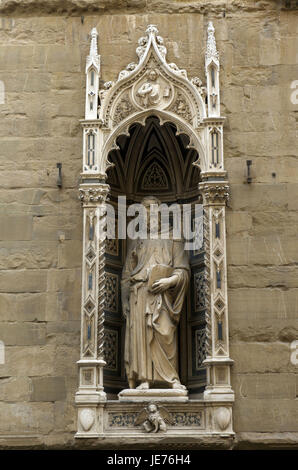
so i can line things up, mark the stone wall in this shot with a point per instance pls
(42, 57)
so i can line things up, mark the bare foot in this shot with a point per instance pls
(143, 386)
(178, 386)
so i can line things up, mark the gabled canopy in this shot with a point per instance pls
(152, 84)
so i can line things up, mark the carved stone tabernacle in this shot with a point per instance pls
(156, 274)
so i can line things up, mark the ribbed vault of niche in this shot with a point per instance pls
(153, 159)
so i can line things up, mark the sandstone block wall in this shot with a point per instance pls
(43, 46)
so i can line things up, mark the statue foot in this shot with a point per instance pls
(178, 386)
(143, 386)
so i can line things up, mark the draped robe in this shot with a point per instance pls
(151, 324)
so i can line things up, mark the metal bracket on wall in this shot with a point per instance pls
(59, 179)
(248, 177)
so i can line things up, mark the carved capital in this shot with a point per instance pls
(91, 195)
(215, 192)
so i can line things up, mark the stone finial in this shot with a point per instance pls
(211, 51)
(93, 44)
(151, 28)
(93, 57)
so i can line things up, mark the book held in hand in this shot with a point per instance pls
(157, 272)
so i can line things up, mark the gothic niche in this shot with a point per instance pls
(153, 160)
(141, 135)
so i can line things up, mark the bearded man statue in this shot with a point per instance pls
(154, 283)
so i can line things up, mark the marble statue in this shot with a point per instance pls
(154, 282)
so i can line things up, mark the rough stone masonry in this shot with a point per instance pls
(43, 45)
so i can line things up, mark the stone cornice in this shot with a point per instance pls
(214, 120)
(91, 122)
(77, 7)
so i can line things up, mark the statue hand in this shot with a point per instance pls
(161, 285)
(144, 89)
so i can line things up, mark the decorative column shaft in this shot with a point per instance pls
(91, 363)
(215, 195)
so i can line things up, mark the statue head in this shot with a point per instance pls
(152, 75)
(152, 408)
(147, 201)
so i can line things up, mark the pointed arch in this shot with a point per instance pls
(163, 117)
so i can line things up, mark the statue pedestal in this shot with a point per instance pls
(153, 395)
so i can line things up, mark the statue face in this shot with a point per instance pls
(155, 222)
(152, 408)
(152, 75)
